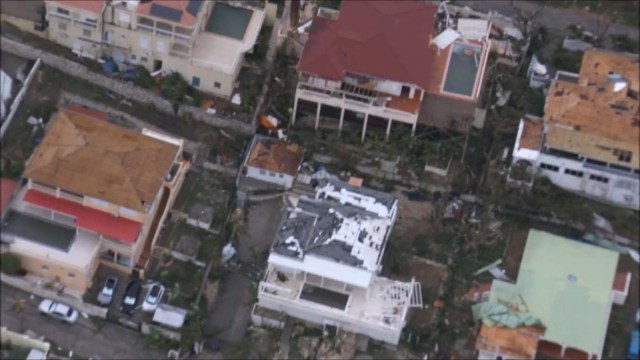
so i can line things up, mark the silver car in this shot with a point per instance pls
(58, 311)
(108, 289)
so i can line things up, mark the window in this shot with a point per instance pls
(63, 11)
(549, 167)
(625, 184)
(599, 178)
(217, 85)
(596, 162)
(623, 155)
(71, 275)
(621, 168)
(262, 172)
(133, 57)
(143, 59)
(86, 33)
(144, 42)
(45, 268)
(281, 175)
(573, 172)
(62, 26)
(271, 174)
(195, 81)
(160, 47)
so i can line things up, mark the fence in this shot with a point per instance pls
(125, 89)
(38, 290)
(18, 100)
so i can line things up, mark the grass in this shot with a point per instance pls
(183, 280)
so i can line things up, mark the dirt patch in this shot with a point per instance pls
(413, 218)
(515, 250)
(261, 226)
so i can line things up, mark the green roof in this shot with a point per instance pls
(567, 285)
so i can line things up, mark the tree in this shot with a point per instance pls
(10, 264)
(173, 86)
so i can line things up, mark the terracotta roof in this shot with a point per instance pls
(520, 342)
(97, 221)
(532, 133)
(94, 158)
(78, 109)
(620, 282)
(275, 155)
(94, 6)
(590, 117)
(7, 187)
(181, 5)
(384, 39)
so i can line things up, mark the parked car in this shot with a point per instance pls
(108, 289)
(153, 297)
(130, 298)
(58, 311)
(633, 352)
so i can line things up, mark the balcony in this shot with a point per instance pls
(399, 108)
(383, 305)
(92, 25)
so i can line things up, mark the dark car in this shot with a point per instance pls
(108, 289)
(130, 298)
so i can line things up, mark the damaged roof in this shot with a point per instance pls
(378, 202)
(598, 115)
(275, 155)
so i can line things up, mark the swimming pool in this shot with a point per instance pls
(463, 69)
(229, 20)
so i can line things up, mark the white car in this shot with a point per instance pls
(58, 311)
(153, 297)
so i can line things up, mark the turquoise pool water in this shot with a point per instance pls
(463, 68)
(228, 21)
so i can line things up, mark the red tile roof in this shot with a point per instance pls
(620, 282)
(87, 218)
(94, 6)
(384, 39)
(7, 187)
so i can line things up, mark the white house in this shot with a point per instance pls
(273, 161)
(588, 141)
(325, 260)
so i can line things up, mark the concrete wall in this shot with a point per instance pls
(283, 180)
(18, 100)
(127, 90)
(34, 288)
(24, 25)
(613, 191)
(72, 33)
(21, 340)
(147, 328)
(300, 311)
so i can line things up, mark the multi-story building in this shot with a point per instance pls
(588, 141)
(27, 16)
(325, 262)
(92, 193)
(204, 41)
(378, 62)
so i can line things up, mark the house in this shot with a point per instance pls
(204, 41)
(7, 189)
(94, 193)
(562, 285)
(375, 65)
(273, 161)
(325, 262)
(588, 140)
(27, 16)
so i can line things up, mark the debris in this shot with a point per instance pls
(236, 99)
(228, 252)
(438, 304)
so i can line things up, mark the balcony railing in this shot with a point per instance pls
(85, 23)
(145, 28)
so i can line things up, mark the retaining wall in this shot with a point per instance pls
(18, 100)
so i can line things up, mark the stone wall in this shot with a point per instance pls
(18, 100)
(126, 89)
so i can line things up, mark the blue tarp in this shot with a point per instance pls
(109, 67)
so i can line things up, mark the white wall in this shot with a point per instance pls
(300, 311)
(612, 191)
(283, 180)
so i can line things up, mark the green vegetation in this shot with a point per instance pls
(98, 323)
(622, 42)
(617, 11)
(174, 86)
(9, 263)
(567, 60)
(156, 340)
(143, 78)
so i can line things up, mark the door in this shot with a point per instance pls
(157, 65)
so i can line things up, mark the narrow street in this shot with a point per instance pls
(110, 342)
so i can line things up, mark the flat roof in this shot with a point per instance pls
(230, 21)
(94, 6)
(532, 133)
(29, 10)
(377, 202)
(91, 157)
(275, 155)
(41, 231)
(7, 187)
(567, 285)
(103, 223)
(324, 296)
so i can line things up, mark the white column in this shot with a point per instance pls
(318, 115)
(388, 129)
(295, 108)
(341, 119)
(322, 281)
(413, 128)
(364, 126)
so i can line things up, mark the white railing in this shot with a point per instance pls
(88, 24)
(145, 28)
(59, 15)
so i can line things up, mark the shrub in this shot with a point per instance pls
(173, 86)
(143, 78)
(9, 264)
(420, 245)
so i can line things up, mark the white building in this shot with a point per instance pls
(325, 261)
(588, 141)
(273, 161)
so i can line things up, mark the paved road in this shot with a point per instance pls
(556, 19)
(111, 342)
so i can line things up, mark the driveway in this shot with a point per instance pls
(554, 19)
(111, 342)
(231, 314)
